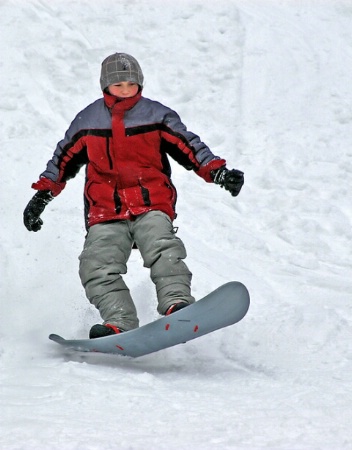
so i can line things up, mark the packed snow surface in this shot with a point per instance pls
(267, 85)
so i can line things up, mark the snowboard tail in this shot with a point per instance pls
(223, 307)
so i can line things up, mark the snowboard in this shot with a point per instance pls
(225, 306)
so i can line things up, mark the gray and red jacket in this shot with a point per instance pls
(125, 147)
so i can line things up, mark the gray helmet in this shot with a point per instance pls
(120, 67)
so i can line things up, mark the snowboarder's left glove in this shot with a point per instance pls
(231, 180)
(32, 212)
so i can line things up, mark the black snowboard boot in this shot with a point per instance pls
(98, 331)
(175, 307)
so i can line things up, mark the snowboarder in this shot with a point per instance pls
(123, 139)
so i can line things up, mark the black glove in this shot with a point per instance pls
(231, 180)
(31, 215)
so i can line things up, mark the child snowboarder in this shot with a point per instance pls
(123, 139)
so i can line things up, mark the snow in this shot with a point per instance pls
(267, 85)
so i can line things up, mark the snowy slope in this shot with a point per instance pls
(267, 84)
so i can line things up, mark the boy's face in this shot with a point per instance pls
(123, 89)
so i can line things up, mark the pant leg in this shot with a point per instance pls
(163, 253)
(102, 261)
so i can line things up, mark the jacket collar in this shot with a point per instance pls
(116, 104)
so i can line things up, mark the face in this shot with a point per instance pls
(123, 89)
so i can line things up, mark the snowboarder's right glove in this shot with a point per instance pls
(231, 180)
(31, 215)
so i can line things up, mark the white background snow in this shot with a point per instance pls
(267, 85)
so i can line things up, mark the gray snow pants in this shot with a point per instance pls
(104, 257)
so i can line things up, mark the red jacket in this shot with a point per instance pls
(125, 147)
